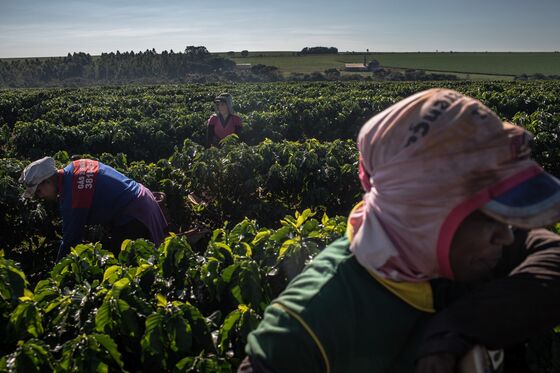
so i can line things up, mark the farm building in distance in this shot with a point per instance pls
(243, 66)
(357, 67)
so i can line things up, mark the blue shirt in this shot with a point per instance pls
(90, 193)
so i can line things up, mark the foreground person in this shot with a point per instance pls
(90, 193)
(440, 255)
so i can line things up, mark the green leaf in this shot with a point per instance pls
(251, 285)
(227, 328)
(187, 364)
(118, 286)
(216, 234)
(200, 329)
(222, 245)
(203, 363)
(315, 234)
(262, 235)
(161, 300)
(289, 221)
(110, 346)
(285, 246)
(26, 319)
(102, 368)
(241, 232)
(122, 305)
(126, 244)
(112, 274)
(103, 318)
(302, 218)
(129, 322)
(237, 293)
(152, 341)
(180, 334)
(29, 356)
(248, 249)
(228, 273)
(281, 234)
(222, 252)
(61, 301)
(13, 282)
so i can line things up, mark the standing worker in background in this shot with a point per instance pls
(90, 193)
(223, 122)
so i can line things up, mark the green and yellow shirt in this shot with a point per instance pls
(337, 317)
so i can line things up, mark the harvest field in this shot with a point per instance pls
(494, 64)
(272, 199)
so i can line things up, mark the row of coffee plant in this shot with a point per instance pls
(147, 123)
(170, 308)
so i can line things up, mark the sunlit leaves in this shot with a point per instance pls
(90, 353)
(146, 310)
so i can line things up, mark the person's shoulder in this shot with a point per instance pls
(236, 118)
(326, 273)
(68, 168)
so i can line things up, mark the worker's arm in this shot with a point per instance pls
(508, 310)
(76, 204)
(73, 225)
(238, 127)
(210, 135)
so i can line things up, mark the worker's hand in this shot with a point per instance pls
(437, 363)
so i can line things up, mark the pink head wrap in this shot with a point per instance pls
(426, 163)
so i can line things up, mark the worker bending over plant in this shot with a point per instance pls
(91, 193)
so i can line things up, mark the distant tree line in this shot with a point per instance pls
(194, 64)
(319, 50)
(113, 68)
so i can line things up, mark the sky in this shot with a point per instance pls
(40, 28)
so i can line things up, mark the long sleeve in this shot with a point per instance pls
(210, 135)
(73, 223)
(505, 311)
(238, 126)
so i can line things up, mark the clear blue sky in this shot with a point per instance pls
(56, 27)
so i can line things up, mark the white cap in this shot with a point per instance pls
(35, 173)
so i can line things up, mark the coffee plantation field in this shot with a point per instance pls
(266, 203)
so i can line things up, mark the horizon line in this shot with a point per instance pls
(297, 51)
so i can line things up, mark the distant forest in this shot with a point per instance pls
(79, 69)
(319, 50)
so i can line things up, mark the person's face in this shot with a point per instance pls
(222, 108)
(46, 190)
(477, 247)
